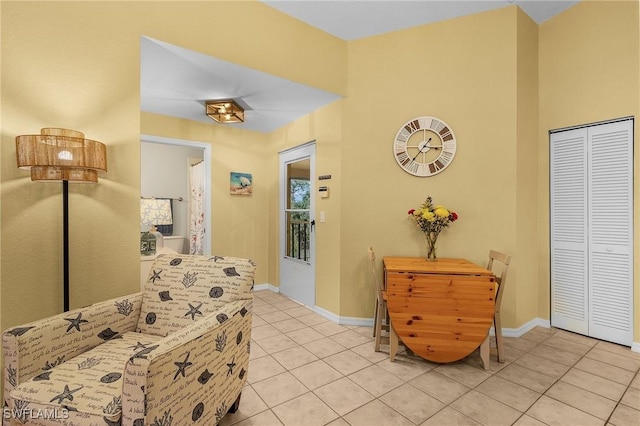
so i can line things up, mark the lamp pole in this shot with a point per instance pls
(65, 243)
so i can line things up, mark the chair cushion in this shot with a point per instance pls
(88, 385)
(182, 289)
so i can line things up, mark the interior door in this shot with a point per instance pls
(610, 148)
(569, 252)
(297, 242)
(591, 172)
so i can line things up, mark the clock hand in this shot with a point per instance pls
(420, 150)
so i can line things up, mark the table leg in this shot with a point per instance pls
(393, 343)
(484, 353)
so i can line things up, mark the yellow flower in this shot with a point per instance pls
(442, 212)
(427, 215)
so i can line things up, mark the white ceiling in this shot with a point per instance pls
(351, 20)
(176, 81)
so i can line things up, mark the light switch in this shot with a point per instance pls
(322, 217)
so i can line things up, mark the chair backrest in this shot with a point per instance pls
(182, 289)
(374, 272)
(501, 278)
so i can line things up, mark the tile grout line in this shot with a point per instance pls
(586, 390)
(619, 402)
(371, 362)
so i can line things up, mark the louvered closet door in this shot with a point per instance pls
(611, 231)
(568, 186)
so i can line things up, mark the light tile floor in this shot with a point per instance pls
(306, 370)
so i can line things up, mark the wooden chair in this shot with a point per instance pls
(380, 314)
(500, 281)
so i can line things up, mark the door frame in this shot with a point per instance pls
(207, 181)
(300, 152)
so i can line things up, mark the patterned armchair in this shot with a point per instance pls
(175, 354)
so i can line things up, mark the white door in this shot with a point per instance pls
(568, 186)
(591, 179)
(610, 156)
(297, 241)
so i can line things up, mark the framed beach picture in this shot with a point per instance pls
(241, 183)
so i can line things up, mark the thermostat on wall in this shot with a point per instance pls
(324, 192)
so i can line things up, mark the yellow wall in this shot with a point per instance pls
(500, 81)
(589, 71)
(523, 279)
(239, 226)
(463, 71)
(325, 127)
(1, 156)
(76, 65)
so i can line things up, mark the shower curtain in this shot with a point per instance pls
(196, 208)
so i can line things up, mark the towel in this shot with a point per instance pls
(155, 211)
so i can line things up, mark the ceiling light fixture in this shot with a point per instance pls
(225, 111)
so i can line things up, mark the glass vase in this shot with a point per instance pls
(432, 238)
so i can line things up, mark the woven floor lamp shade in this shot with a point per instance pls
(61, 155)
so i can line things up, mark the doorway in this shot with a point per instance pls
(184, 150)
(297, 236)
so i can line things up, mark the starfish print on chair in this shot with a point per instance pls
(182, 366)
(75, 322)
(139, 346)
(66, 394)
(193, 311)
(155, 276)
(231, 366)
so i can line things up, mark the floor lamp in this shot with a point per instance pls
(62, 155)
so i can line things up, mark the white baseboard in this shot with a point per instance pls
(327, 314)
(266, 286)
(368, 322)
(362, 322)
(517, 332)
(539, 322)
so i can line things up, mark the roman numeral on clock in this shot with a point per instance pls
(403, 158)
(403, 136)
(445, 157)
(412, 126)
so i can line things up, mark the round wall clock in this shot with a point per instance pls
(424, 146)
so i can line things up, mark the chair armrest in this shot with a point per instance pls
(33, 348)
(196, 373)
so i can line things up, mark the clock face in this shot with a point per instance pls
(424, 146)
